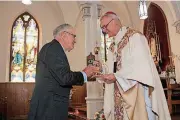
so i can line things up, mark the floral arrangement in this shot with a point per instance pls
(99, 115)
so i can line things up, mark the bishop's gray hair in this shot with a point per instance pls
(61, 28)
(115, 17)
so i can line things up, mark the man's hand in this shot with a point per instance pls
(107, 78)
(91, 70)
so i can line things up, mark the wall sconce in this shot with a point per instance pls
(142, 9)
(27, 2)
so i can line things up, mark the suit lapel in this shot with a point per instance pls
(60, 48)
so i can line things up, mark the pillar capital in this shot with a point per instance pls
(99, 10)
(177, 25)
(86, 10)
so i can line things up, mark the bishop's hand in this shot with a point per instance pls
(106, 78)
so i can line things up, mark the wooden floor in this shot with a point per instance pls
(174, 117)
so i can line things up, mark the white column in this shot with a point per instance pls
(176, 54)
(86, 9)
(94, 97)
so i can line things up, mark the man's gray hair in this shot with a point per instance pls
(61, 28)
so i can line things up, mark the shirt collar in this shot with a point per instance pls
(121, 33)
(61, 45)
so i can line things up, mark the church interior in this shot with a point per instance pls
(25, 28)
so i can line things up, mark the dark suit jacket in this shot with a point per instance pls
(54, 79)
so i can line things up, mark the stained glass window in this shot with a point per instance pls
(24, 48)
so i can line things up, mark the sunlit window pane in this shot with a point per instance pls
(24, 48)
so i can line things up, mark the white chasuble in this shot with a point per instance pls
(140, 89)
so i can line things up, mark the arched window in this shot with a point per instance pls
(24, 48)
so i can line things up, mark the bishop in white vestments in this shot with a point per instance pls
(133, 89)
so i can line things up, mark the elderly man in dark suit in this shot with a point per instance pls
(54, 79)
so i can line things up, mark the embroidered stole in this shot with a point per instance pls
(118, 100)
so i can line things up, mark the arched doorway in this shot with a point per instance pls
(156, 31)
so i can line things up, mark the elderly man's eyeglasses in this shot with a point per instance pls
(105, 26)
(70, 34)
